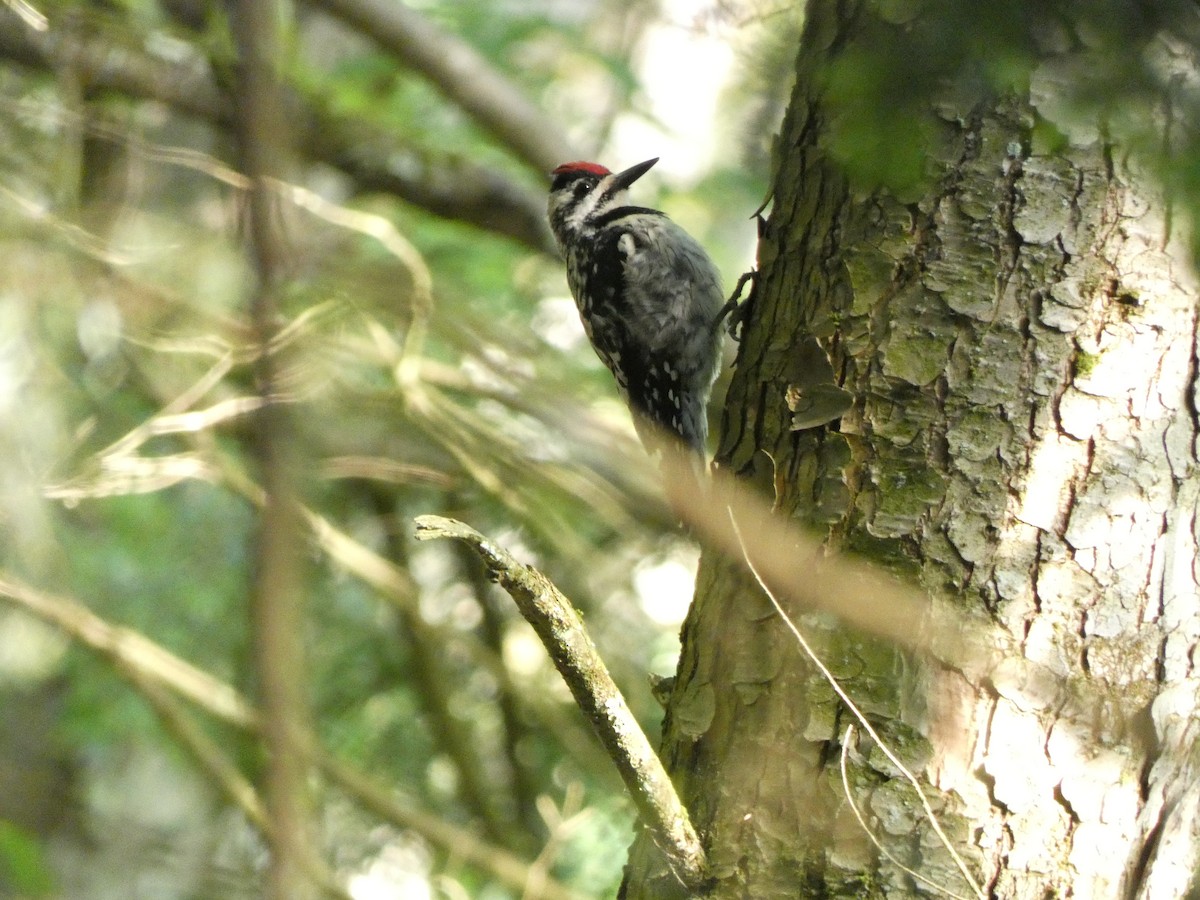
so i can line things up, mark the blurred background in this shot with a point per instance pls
(432, 361)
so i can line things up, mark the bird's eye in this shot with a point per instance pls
(583, 188)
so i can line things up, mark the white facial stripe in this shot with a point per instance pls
(592, 204)
(587, 206)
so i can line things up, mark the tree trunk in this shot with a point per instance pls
(1017, 346)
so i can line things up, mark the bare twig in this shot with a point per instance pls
(28, 14)
(130, 650)
(473, 443)
(856, 712)
(384, 470)
(463, 75)
(389, 237)
(577, 660)
(862, 823)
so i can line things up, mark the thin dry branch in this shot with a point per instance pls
(396, 587)
(854, 710)
(130, 650)
(577, 660)
(28, 14)
(848, 793)
(498, 464)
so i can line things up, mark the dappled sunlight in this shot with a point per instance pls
(665, 586)
(1054, 463)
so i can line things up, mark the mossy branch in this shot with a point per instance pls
(561, 631)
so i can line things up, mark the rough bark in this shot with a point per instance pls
(1019, 349)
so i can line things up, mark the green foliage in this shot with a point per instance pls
(24, 869)
(1093, 66)
(876, 133)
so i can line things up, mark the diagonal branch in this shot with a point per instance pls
(131, 651)
(462, 74)
(577, 660)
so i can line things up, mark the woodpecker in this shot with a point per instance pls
(649, 297)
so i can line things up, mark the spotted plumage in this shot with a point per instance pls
(647, 293)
